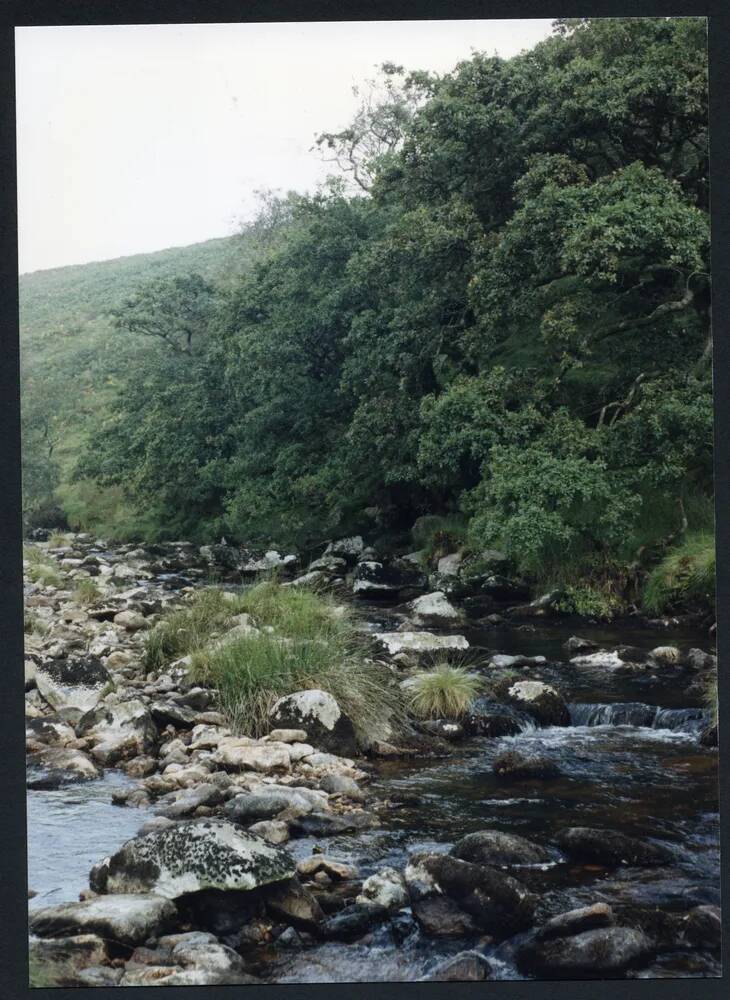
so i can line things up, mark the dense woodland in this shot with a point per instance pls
(493, 322)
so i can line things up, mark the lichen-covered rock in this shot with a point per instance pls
(192, 856)
(609, 847)
(118, 731)
(346, 548)
(420, 642)
(318, 713)
(128, 919)
(73, 682)
(45, 732)
(546, 705)
(493, 847)
(131, 621)
(434, 609)
(385, 888)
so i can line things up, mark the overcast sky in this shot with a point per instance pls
(136, 138)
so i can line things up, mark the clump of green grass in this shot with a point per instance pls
(304, 641)
(445, 692)
(685, 576)
(43, 973)
(438, 535)
(32, 554)
(46, 575)
(187, 629)
(86, 591)
(57, 539)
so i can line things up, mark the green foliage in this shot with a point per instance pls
(509, 325)
(591, 601)
(685, 576)
(445, 692)
(186, 629)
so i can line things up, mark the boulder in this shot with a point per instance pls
(439, 916)
(190, 857)
(73, 682)
(434, 609)
(73, 953)
(318, 713)
(499, 588)
(600, 953)
(128, 919)
(268, 801)
(118, 731)
(467, 966)
(577, 644)
(47, 731)
(698, 660)
(270, 560)
(498, 903)
(493, 847)
(541, 701)
(490, 718)
(57, 766)
(666, 656)
(293, 903)
(341, 784)
(386, 888)
(702, 927)
(374, 579)
(608, 847)
(185, 801)
(346, 548)
(336, 871)
(603, 658)
(320, 824)
(352, 922)
(242, 754)
(515, 766)
(131, 621)
(420, 642)
(450, 565)
(273, 831)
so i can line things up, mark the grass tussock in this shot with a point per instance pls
(303, 640)
(686, 576)
(46, 576)
(444, 692)
(86, 591)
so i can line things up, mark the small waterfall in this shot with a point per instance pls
(678, 720)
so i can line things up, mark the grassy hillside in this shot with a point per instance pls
(72, 359)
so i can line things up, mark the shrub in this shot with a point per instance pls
(86, 591)
(591, 601)
(46, 575)
(57, 540)
(445, 692)
(685, 576)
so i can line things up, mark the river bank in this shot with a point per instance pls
(466, 852)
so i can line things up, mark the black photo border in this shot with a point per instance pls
(13, 843)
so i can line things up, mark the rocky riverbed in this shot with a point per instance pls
(567, 827)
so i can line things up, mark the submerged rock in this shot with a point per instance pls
(493, 847)
(541, 701)
(598, 953)
(514, 766)
(352, 922)
(608, 847)
(467, 966)
(572, 922)
(192, 856)
(128, 919)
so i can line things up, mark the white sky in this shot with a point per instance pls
(134, 138)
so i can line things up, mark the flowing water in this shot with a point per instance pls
(630, 761)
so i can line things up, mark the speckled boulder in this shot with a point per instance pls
(319, 715)
(546, 705)
(190, 857)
